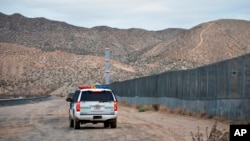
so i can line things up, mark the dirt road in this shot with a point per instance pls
(48, 120)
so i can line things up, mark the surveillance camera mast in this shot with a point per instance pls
(107, 66)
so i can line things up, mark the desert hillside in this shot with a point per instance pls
(29, 71)
(40, 55)
(203, 44)
(52, 35)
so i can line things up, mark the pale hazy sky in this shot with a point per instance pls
(124, 14)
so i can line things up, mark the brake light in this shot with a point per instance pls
(78, 106)
(115, 106)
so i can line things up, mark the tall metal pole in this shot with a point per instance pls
(107, 66)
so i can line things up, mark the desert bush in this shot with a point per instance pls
(123, 103)
(141, 109)
(148, 107)
(214, 135)
(156, 107)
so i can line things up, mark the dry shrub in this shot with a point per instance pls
(184, 112)
(177, 111)
(141, 109)
(208, 116)
(150, 107)
(218, 135)
(163, 108)
(214, 135)
(199, 114)
(198, 136)
(156, 107)
(221, 119)
(144, 108)
(123, 103)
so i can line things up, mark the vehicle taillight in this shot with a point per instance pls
(78, 106)
(115, 106)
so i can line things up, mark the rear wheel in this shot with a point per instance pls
(113, 124)
(76, 124)
(106, 124)
(71, 122)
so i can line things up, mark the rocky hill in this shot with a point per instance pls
(52, 35)
(40, 53)
(31, 71)
(203, 44)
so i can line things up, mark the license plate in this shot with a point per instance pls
(97, 117)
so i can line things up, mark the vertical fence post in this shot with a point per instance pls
(243, 76)
(229, 75)
(207, 82)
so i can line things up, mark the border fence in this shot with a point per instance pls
(221, 89)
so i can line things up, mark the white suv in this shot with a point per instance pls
(93, 104)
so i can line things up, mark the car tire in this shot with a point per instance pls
(113, 124)
(106, 124)
(71, 122)
(76, 124)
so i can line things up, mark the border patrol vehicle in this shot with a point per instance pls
(93, 104)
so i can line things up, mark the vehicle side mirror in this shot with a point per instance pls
(69, 99)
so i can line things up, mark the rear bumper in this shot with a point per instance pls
(94, 118)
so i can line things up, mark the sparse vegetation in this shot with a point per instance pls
(163, 108)
(214, 135)
(156, 107)
(141, 109)
(148, 107)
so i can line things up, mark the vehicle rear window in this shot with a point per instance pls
(75, 96)
(102, 96)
